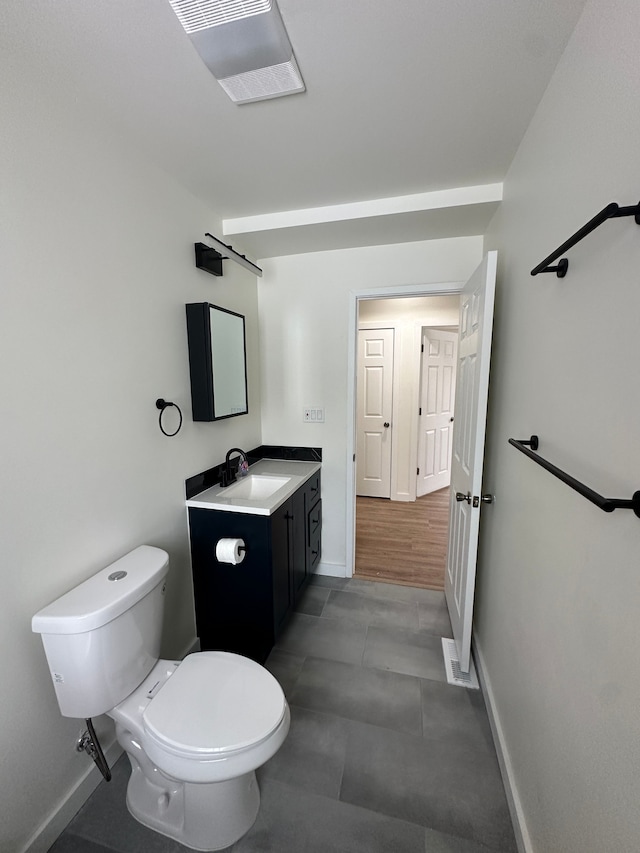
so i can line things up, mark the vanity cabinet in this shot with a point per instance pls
(243, 608)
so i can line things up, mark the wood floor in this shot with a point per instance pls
(403, 542)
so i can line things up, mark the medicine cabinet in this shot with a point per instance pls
(217, 362)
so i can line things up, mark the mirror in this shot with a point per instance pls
(228, 358)
(217, 362)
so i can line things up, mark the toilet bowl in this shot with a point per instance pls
(195, 731)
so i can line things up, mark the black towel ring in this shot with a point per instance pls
(162, 405)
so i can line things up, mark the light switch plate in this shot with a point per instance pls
(313, 415)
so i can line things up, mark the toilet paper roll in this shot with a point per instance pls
(230, 551)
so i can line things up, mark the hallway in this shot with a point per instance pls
(403, 542)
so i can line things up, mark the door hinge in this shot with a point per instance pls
(422, 348)
(417, 472)
(354, 457)
(420, 410)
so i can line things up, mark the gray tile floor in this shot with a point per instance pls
(383, 756)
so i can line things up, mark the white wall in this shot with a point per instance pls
(97, 265)
(558, 592)
(407, 316)
(304, 322)
(423, 310)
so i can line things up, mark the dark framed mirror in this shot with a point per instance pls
(217, 362)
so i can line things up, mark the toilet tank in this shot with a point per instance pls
(102, 638)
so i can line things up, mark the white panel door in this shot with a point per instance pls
(437, 399)
(375, 399)
(474, 351)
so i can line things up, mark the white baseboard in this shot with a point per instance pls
(334, 570)
(56, 822)
(523, 839)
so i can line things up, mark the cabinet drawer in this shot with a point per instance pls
(313, 553)
(314, 522)
(312, 490)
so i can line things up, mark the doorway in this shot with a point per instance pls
(404, 392)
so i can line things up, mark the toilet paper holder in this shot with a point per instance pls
(230, 550)
(242, 549)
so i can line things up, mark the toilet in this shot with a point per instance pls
(195, 730)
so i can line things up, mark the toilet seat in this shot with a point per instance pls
(214, 706)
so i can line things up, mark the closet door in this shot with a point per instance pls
(375, 400)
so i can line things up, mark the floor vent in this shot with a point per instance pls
(452, 665)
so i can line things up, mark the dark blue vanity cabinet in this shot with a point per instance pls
(243, 608)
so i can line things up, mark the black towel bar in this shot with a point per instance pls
(528, 447)
(611, 211)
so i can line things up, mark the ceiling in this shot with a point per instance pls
(404, 97)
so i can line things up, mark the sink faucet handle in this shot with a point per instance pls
(231, 474)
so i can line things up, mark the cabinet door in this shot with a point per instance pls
(280, 538)
(234, 610)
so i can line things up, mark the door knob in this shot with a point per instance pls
(460, 497)
(387, 424)
(487, 499)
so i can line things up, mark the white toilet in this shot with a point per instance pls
(195, 731)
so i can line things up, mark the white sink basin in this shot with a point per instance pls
(268, 485)
(255, 487)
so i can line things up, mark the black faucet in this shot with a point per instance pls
(229, 476)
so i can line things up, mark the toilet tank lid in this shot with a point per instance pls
(99, 600)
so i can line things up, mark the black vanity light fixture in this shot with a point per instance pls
(210, 258)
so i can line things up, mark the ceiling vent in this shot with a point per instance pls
(245, 46)
(198, 15)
